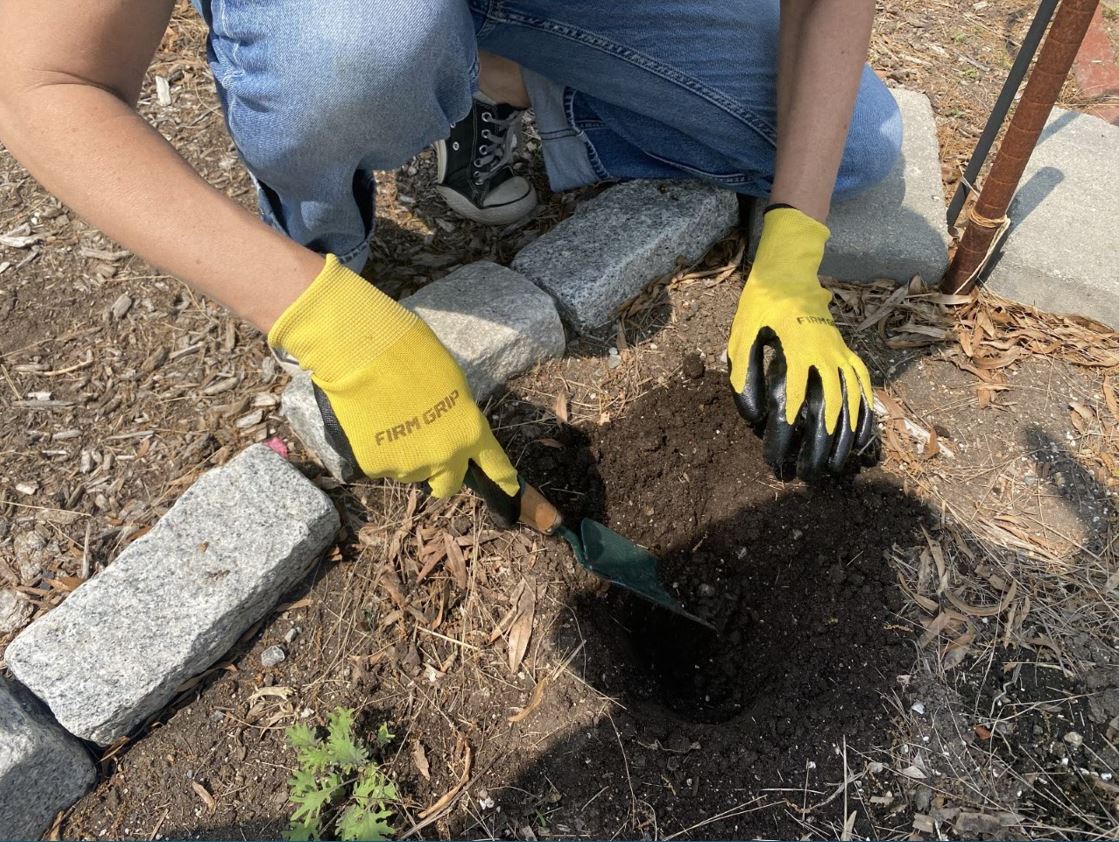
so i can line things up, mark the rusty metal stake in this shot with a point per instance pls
(987, 220)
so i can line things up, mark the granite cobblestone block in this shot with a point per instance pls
(176, 599)
(42, 768)
(617, 243)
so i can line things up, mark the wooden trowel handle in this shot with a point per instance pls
(538, 513)
(527, 506)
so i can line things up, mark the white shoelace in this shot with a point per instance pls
(489, 162)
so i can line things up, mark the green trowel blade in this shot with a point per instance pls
(607, 554)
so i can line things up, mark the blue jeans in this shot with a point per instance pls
(319, 93)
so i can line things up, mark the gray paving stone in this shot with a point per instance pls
(297, 404)
(1062, 252)
(896, 229)
(614, 245)
(177, 598)
(495, 323)
(42, 768)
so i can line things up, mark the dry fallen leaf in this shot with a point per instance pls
(452, 793)
(533, 702)
(983, 610)
(65, 583)
(942, 621)
(559, 406)
(295, 606)
(521, 630)
(419, 757)
(621, 337)
(1110, 399)
(392, 586)
(504, 622)
(204, 794)
(456, 561)
(923, 823)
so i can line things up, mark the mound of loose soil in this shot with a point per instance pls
(793, 578)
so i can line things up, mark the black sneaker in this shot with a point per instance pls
(475, 163)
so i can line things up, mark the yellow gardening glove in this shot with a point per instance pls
(392, 398)
(815, 401)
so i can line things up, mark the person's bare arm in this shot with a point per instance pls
(823, 45)
(70, 74)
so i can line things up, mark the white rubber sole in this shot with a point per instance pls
(498, 215)
(440, 147)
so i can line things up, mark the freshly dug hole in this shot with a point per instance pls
(801, 603)
(794, 578)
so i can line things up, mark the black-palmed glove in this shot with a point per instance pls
(815, 400)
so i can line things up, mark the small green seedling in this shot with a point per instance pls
(338, 785)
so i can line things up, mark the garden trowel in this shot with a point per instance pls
(597, 548)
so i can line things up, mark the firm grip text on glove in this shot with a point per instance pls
(426, 418)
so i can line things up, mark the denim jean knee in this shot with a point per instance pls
(873, 140)
(319, 93)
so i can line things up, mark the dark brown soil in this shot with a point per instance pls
(796, 583)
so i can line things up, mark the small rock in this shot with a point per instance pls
(250, 420)
(14, 611)
(27, 488)
(694, 366)
(292, 634)
(1074, 739)
(272, 656)
(922, 797)
(121, 306)
(918, 708)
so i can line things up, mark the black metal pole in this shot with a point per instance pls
(1002, 106)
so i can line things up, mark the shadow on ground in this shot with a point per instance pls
(809, 643)
(750, 719)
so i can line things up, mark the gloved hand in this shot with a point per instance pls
(816, 396)
(392, 398)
